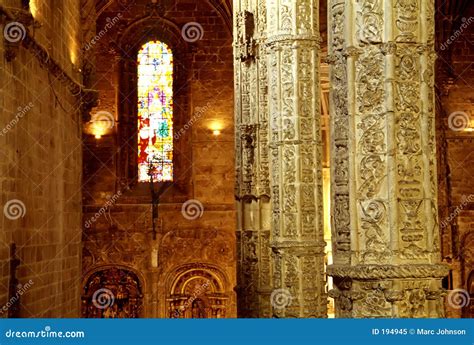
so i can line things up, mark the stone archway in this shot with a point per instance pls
(198, 291)
(112, 293)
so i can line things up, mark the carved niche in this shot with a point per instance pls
(198, 291)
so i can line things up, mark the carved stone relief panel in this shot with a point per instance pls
(384, 185)
(252, 165)
(295, 151)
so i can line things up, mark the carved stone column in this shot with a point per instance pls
(252, 160)
(293, 45)
(385, 225)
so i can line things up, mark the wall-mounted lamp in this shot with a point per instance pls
(216, 128)
(101, 123)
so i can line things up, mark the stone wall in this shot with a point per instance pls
(123, 236)
(456, 50)
(40, 164)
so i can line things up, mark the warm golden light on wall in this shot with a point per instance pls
(98, 129)
(327, 231)
(216, 128)
(73, 52)
(470, 127)
(34, 8)
(101, 123)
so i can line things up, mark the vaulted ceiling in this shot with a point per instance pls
(449, 12)
(223, 7)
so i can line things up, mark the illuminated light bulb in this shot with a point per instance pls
(98, 136)
(216, 132)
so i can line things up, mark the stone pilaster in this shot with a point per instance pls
(295, 164)
(385, 228)
(252, 160)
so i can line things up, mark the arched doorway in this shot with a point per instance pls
(112, 293)
(198, 291)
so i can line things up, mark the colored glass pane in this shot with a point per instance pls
(155, 112)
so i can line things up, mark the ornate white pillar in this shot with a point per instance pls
(295, 164)
(385, 222)
(252, 160)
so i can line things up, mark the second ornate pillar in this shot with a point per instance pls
(385, 224)
(295, 159)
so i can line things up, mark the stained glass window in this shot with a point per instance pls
(155, 112)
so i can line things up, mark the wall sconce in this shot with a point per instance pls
(216, 128)
(101, 123)
(98, 129)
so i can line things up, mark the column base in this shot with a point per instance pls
(388, 291)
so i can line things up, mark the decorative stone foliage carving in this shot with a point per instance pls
(252, 160)
(384, 191)
(295, 164)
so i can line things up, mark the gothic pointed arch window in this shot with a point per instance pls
(155, 112)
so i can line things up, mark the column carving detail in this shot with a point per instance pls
(293, 47)
(252, 160)
(385, 225)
